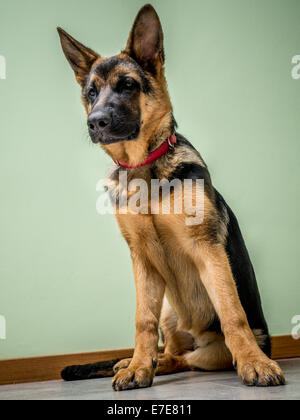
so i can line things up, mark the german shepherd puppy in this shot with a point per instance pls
(196, 281)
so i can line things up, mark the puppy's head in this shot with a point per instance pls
(125, 96)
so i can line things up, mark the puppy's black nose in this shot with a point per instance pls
(98, 121)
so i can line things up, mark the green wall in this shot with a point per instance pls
(65, 274)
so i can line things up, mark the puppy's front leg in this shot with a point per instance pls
(254, 367)
(150, 289)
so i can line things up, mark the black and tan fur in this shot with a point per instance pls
(197, 281)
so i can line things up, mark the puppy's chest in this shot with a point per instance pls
(172, 243)
(160, 239)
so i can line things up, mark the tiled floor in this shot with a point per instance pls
(181, 386)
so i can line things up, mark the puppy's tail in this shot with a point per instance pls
(91, 371)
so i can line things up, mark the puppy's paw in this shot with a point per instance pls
(130, 378)
(260, 371)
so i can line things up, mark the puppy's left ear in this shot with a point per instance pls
(145, 42)
(80, 57)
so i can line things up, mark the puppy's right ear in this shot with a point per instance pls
(80, 57)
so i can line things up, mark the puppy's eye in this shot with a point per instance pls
(92, 93)
(127, 84)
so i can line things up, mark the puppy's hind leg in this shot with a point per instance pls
(212, 354)
(165, 364)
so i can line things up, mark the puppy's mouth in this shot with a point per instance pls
(105, 139)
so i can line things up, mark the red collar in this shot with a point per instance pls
(157, 153)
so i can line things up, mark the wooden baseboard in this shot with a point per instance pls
(285, 347)
(47, 368)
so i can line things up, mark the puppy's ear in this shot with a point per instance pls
(145, 42)
(80, 57)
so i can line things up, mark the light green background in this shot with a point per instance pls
(65, 274)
